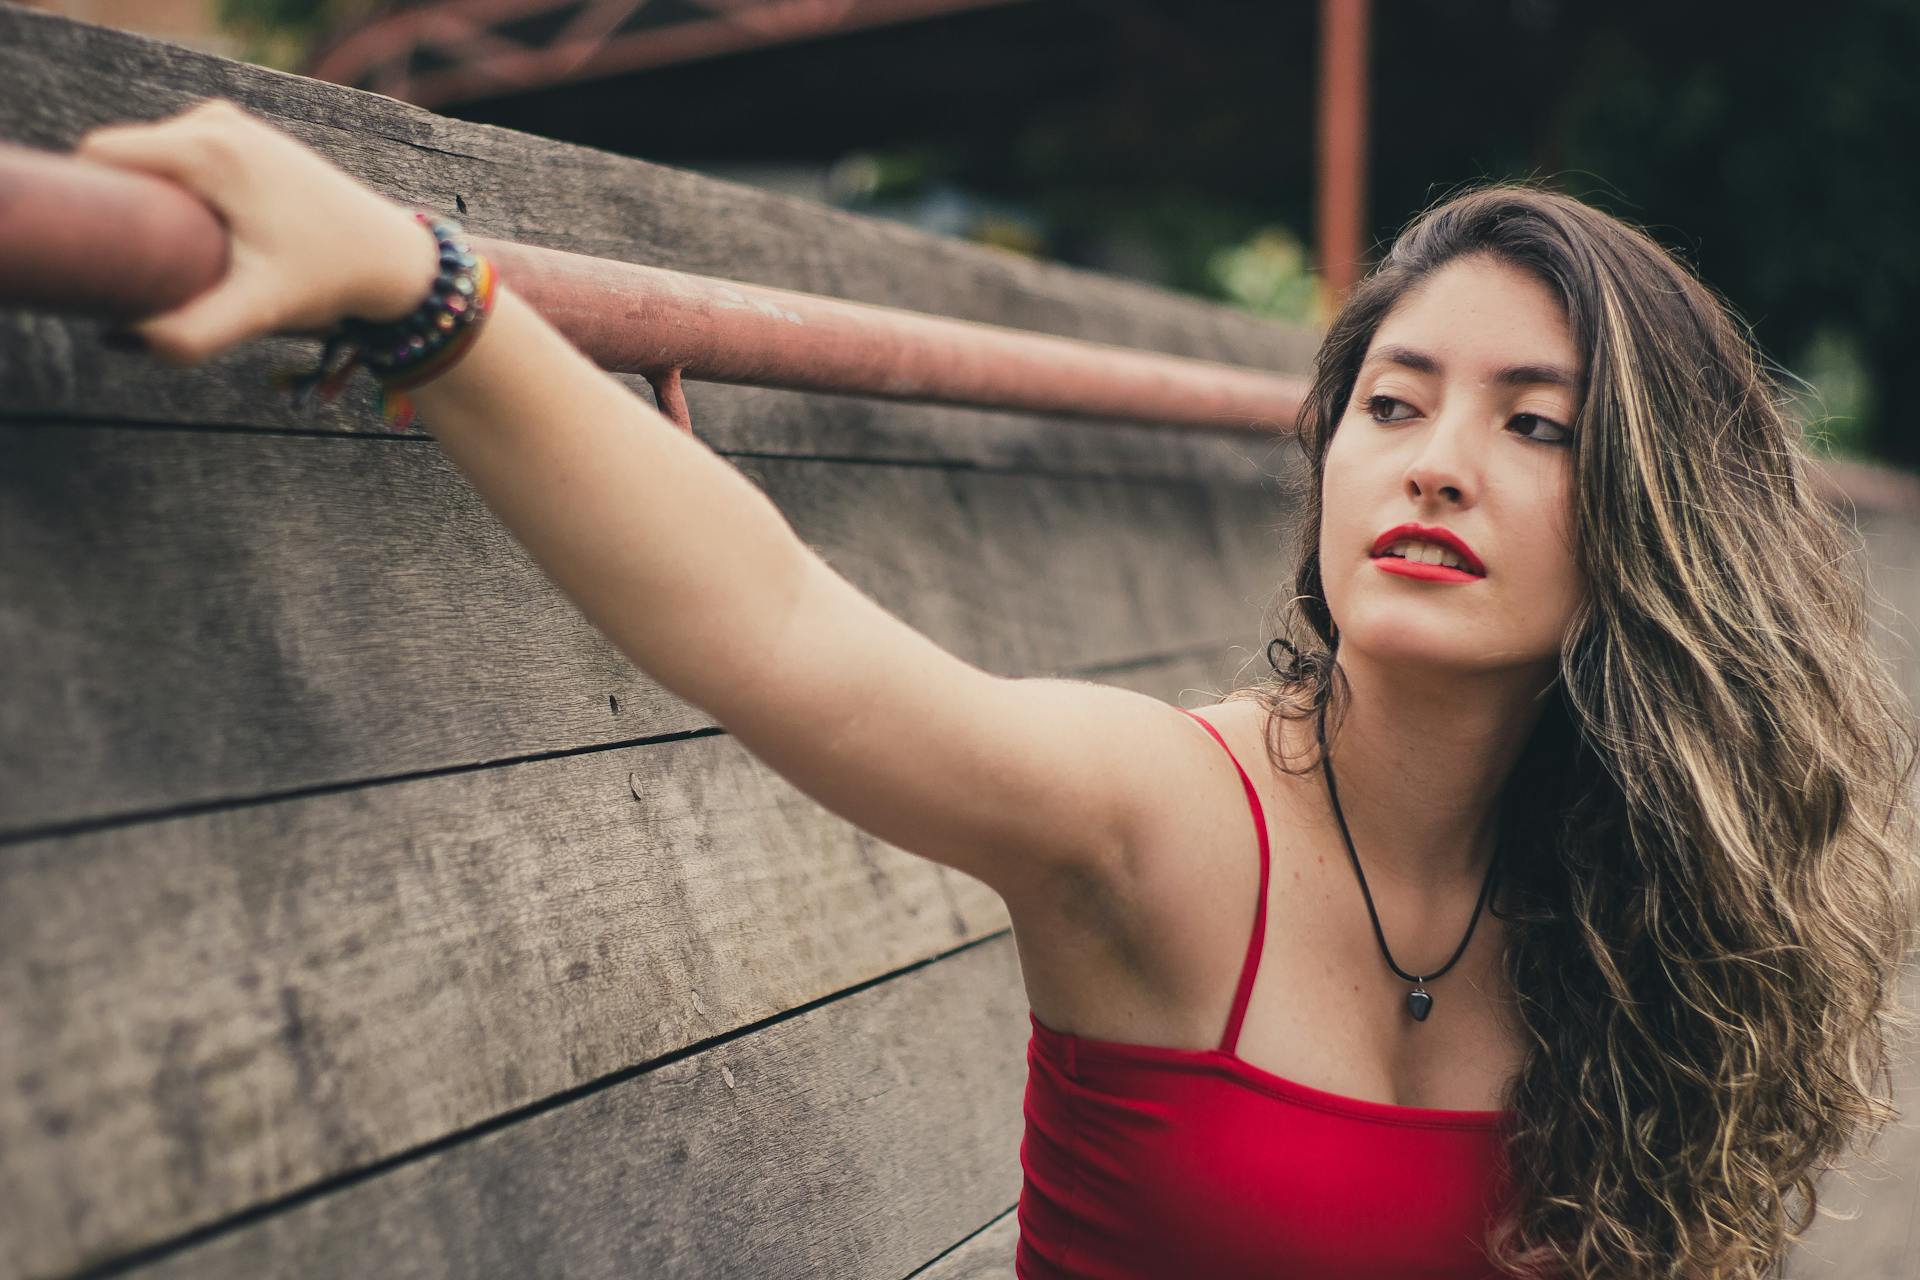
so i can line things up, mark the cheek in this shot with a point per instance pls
(1557, 580)
(1340, 486)
(1560, 540)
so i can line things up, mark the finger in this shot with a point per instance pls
(192, 148)
(238, 308)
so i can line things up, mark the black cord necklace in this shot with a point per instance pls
(1419, 1002)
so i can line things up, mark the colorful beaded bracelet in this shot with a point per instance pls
(416, 348)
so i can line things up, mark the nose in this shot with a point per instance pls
(1444, 467)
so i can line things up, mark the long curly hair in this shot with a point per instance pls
(1708, 848)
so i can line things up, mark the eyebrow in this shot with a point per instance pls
(1518, 375)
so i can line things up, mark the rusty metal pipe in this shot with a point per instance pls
(81, 237)
(88, 238)
(1342, 194)
(78, 236)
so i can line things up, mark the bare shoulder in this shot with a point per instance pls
(1111, 960)
(1195, 865)
(1207, 800)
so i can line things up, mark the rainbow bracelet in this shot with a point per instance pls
(417, 348)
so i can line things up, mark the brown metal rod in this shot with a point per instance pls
(76, 236)
(1342, 192)
(84, 237)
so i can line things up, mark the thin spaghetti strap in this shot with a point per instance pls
(1251, 965)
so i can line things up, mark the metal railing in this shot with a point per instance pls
(82, 237)
(79, 236)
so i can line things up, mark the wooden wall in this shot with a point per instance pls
(363, 912)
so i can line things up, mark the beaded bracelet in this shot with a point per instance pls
(416, 348)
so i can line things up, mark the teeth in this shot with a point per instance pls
(1427, 553)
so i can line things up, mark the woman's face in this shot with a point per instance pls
(1459, 421)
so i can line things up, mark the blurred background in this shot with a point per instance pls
(1770, 144)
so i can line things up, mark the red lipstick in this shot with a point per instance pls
(1439, 537)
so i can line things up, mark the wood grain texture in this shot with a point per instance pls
(217, 1009)
(857, 1139)
(190, 618)
(985, 1256)
(54, 368)
(329, 844)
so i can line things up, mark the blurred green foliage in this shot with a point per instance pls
(1834, 394)
(1268, 274)
(279, 33)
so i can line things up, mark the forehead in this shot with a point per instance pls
(1476, 315)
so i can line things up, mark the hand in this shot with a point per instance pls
(309, 245)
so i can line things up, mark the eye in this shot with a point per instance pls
(1535, 421)
(1378, 407)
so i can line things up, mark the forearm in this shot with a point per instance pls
(673, 554)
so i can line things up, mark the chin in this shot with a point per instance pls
(1450, 646)
(1404, 654)
(1394, 633)
(1414, 636)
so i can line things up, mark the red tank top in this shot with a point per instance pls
(1152, 1162)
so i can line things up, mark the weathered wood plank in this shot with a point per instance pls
(54, 368)
(65, 77)
(986, 1256)
(189, 618)
(200, 1013)
(858, 1139)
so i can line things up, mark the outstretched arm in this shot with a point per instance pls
(1029, 785)
(698, 578)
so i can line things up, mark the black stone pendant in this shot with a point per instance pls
(1419, 1004)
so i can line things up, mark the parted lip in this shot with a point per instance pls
(1429, 533)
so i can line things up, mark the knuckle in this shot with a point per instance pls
(98, 136)
(216, 154)
(216, 109)
(226, 139)
(233, 120)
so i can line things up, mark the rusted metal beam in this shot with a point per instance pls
(84, 237)
(1342, 194)
(478, 56)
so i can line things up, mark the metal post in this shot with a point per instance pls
(1341, 197)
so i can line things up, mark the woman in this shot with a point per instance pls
(1568, 625)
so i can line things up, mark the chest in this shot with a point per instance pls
(1325, 1008)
